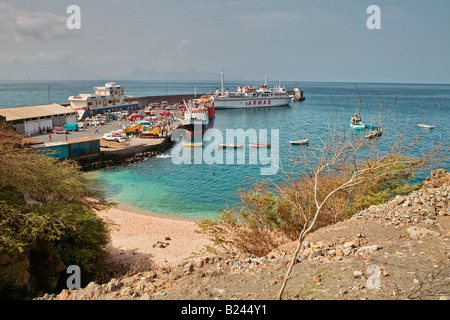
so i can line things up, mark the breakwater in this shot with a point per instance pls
(171, 99)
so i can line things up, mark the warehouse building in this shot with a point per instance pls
(31, 119)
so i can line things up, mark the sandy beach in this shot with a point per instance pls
(141, 241)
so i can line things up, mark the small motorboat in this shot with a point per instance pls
(374, 134)
(426, 126)
(230, 145)
(298, 142)
(259, 145)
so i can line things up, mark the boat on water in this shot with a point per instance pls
(110, 97)
(193, 145)
(299, 142)
(259, 145)
(374, 133)
(356, 123)
(298, 95)
(425, 126)
(195, 114)
(251, 97)
(230, 145)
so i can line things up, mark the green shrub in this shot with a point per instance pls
(47, 201)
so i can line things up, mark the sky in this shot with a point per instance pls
(289, 40)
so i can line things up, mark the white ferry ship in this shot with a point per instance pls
(111, 97)
(251, 97)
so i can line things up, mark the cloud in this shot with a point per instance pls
(20, 25)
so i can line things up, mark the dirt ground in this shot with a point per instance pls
(410, 269)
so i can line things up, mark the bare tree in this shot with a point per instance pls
(360, 159)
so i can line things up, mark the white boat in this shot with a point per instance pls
(251, 97)
(195, 114)
(259, 145)
(230, 145)
(425, 126)
(111, 97)
(305, 141)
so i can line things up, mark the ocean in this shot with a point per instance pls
(195, 191)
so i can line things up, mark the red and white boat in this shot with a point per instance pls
(251, 97)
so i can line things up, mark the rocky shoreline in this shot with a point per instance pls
(406, 239)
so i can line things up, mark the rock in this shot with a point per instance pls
(420, 233)
(339, 252)
(349, 244)
(368, 248)
(113, 285)
(308, 252)
(145, 296)
(346, 251)
(398, 200)
(221, 291)
(301, 257)
(318, 252)
(357, 274)
(189, 267)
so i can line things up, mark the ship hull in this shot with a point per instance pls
(244, 103)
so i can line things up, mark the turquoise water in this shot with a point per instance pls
(200, 190)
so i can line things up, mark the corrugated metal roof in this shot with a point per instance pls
(38, 111)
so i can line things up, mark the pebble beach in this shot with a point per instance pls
(145, 240)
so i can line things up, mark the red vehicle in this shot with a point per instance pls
(136, 116)
(59, 130)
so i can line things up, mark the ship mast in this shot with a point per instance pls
(221, 78)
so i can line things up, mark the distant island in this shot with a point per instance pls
(190, 74)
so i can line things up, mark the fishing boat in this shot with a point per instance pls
(298, 95)
(230, 145)
(373, 134)
(426, 126)
(298, 142)
(259, 145)
(195, 115)
(356, 123)
(251, 97)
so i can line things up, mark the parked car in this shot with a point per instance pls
(135, 116)
(118, 134)
(92, 122)
(80, 125)
(59, 130)
(110, 137)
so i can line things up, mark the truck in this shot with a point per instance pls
(70, 127)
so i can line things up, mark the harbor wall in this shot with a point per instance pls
(171, 99)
